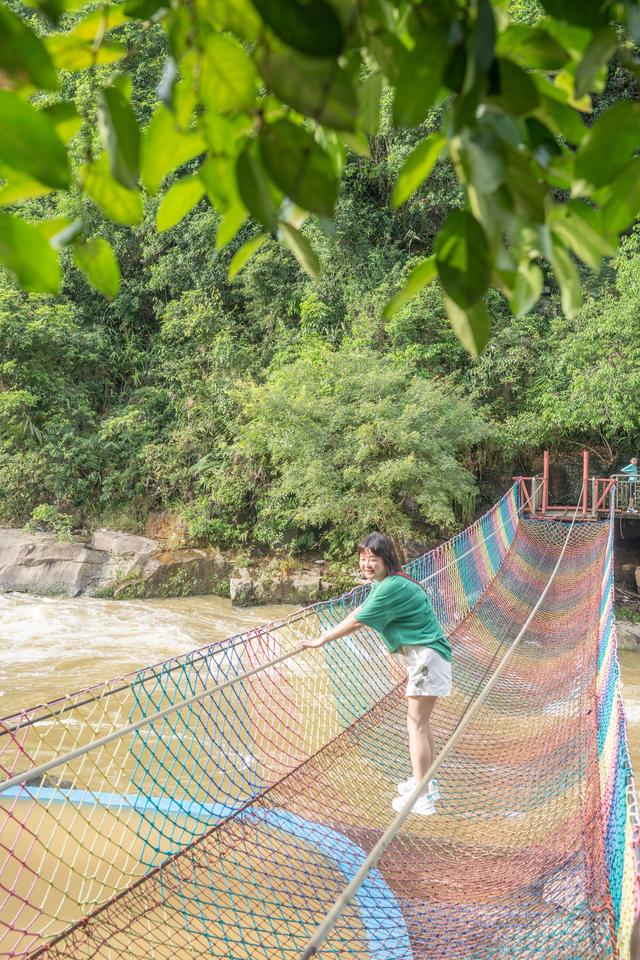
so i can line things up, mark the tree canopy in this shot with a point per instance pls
(259, 102)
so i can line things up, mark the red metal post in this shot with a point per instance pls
(585, 481)
(545, 481)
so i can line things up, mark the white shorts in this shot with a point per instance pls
(429, 674)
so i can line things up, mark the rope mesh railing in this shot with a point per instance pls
(228, 827)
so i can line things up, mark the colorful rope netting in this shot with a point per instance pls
(228, 826)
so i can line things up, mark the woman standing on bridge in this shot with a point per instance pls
(399, 610)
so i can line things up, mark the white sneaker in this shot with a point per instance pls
(408, 785)
(423, 807)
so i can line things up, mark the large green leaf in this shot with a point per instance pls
(620, 198)
(19, 187)
(421, 77)
(575, 39)
(74, 53)
(595, 58)
(95, 25)
(299, 166)
(23, 56)
(224, 134)
(312, 27)
(526, 289)
(98, 262)
(179, 199)
(417, 167)
(242, 256)
(165, 147)
(65, 118)
(544, 145)
(29, 142)
(369, 94)
(28, 256)
(316, 87)
(581, 228)
(517, 92)
(531, 47)
(255, 190)
(116, 202)
(569, 280)
(219, 177)
(228, 79)
(609, 144)
(482, 157)
(301, 249)
(120, 135)
(561, 119)
(420, 277)
(462, 258)
(234, 217)
(239, 16)
(527, 190)
(480, 45)
(471, 325)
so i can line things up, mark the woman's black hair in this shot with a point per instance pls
(382, 546)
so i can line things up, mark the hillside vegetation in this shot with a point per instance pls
(283, 411)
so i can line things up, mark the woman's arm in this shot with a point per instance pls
(343, 629)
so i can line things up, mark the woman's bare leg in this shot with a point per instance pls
(421, 745)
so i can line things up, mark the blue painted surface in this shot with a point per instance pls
(381, 915)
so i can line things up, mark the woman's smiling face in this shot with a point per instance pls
(372, 566)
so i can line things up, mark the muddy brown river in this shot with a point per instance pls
(52, 646)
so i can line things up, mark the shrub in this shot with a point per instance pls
(49, 518)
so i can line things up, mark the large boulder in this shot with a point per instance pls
(242, 588)
(626, 575)
(38, 563)
(167, 527)
(628, 635)
(300, 588)
(126, 556)
(178, 573)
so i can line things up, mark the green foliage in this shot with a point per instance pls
(333, 444)
(262, 99)
(289, 408)
(49, 519)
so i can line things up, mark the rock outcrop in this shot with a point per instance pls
(301, 588)
(628, 635)
(38, 563)
(109, 564)
(122, 565)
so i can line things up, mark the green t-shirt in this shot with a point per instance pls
(401, 612)
(631, 470)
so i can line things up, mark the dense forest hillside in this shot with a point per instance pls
(280, 411)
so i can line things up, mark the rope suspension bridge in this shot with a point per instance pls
(235, 802)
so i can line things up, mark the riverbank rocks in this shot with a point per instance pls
(37, 563)
(628, 635)
(178, 573)
(300, 588)
(109, 564)
(167, 527)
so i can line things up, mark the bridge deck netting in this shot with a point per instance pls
(228, 829)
